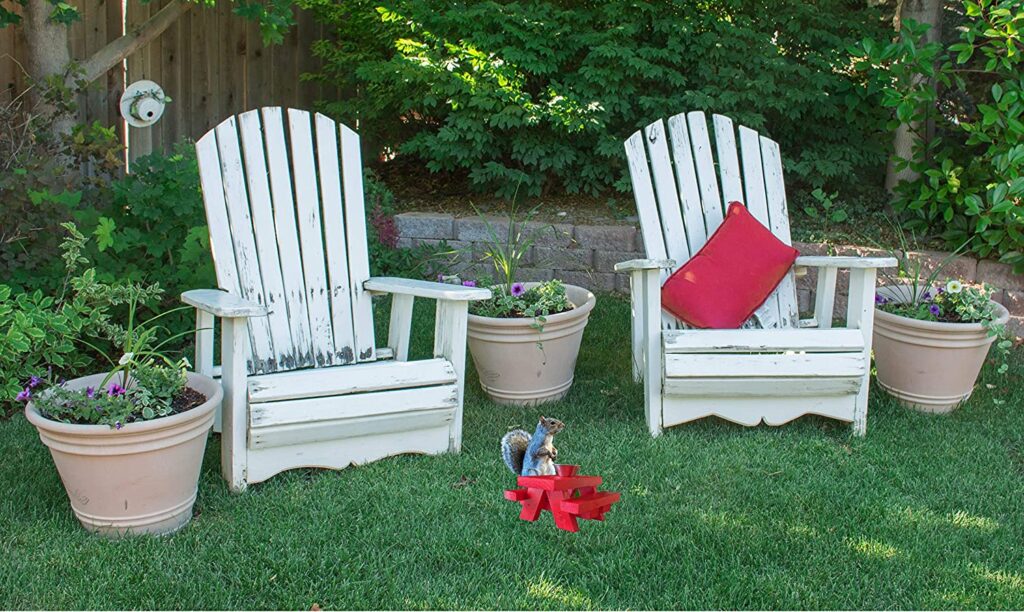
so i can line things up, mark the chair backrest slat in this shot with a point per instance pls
(643, 193)
(355, 229)
(686, 178)
(282, 197)
(334, 235)
(679, 212)
(281, 205)
(711, 202)
(753, 175)
(728, 162)
(666, 192)
(246, 258)
(778, 214)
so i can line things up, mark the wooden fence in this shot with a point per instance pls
(210, 62)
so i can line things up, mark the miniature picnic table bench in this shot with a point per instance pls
(567, 498)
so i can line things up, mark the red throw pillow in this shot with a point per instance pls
(731, 276)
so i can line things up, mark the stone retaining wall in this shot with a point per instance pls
(585, 255)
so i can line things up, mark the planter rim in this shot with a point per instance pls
(577, 311)
(1002, 317)
(139, 427)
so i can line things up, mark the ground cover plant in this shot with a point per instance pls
(924, 512)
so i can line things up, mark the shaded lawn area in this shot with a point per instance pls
(926, 512)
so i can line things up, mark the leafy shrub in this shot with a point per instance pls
(43, 181)
(971, 184)
(38, 332)
(543, 92)
(151, 225)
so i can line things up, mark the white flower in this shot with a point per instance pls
(125, 358)
(954, 286)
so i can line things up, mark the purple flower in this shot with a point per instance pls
(24, 396)
(518, 289)
(881, 299)
(118, 425)
(440, 278)
(90, 392)
(926, 296)
(469, 283)
(934, 309)
(34, 381)
(115, 390)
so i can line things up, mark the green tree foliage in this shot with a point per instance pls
(544, 91)
(971, 185)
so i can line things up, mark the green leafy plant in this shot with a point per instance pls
(517, 301)
(970, 172)
(152, 224)
(504, 252)
(38, 331)
(825, 208)
(147, 379)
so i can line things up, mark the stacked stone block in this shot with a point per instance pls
(585, 255)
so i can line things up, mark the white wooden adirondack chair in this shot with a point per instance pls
(304, 382)
(777, 367)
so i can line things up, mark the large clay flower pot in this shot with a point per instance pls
(142, 478)
(928, 365)
(521, 365)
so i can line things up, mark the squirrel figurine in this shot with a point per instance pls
(534, 455)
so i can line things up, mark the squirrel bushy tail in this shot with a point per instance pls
(513, 449)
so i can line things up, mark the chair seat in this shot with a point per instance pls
(766, 363)
(349, 379)
(350, 401)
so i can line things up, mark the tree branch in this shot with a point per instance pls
(118, 49)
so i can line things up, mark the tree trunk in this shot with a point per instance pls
(908, 136)
(48, 55)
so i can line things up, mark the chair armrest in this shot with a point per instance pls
(426, 289)
(822, 261)
(634, 265)
(223, 304)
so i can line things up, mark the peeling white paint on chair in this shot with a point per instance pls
(304, 383)
(776, 368)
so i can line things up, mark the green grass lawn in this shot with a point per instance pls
(926, 512)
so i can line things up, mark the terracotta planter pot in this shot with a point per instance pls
(140, 479)
(927, 365)
(519, 365)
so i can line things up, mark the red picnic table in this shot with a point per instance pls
(565, 495)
